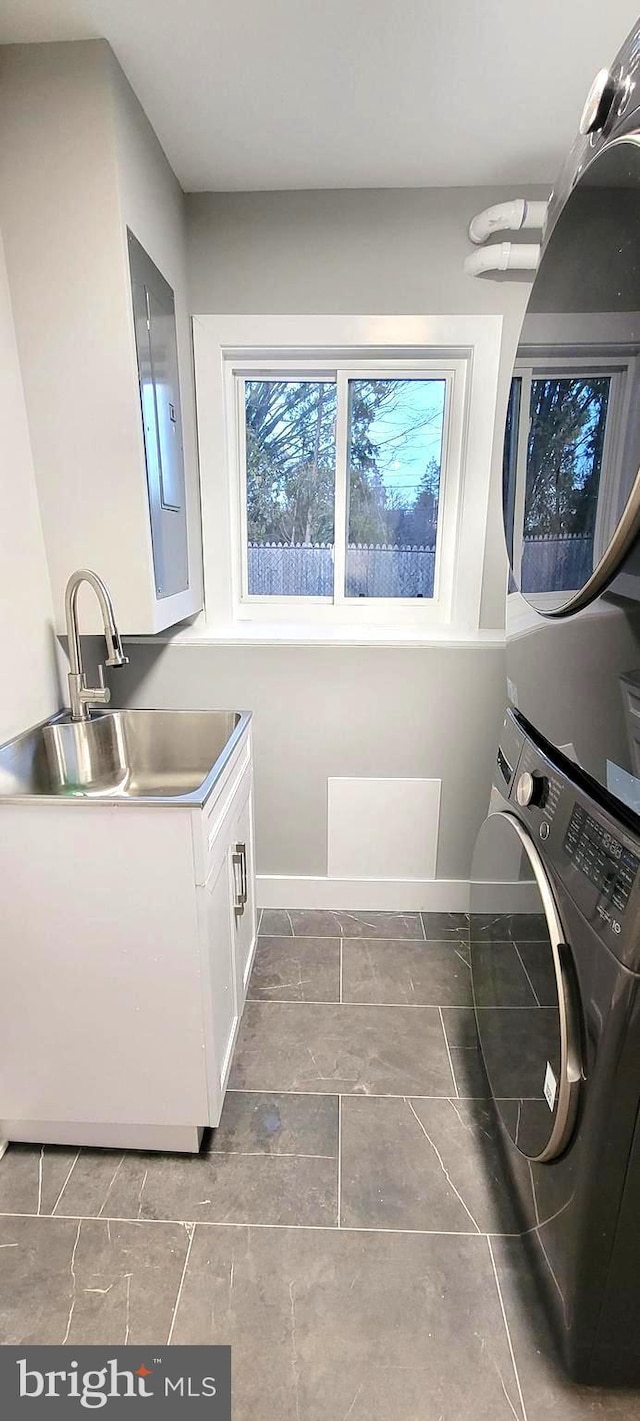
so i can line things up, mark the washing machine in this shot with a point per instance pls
(555, 954)
(555, 894)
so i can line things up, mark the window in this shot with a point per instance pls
(388, 488)
(345, 467)
(558, 503)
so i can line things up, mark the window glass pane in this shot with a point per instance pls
(290, 481)
(393, 477)
(564, 463)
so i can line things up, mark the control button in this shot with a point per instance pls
(531, 789)
(544, 830)
(598, 103)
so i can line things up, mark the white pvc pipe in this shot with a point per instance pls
(503, 256)
(507, 217)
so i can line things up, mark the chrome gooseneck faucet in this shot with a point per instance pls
(81, 696)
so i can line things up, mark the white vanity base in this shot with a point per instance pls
(128, 933)
(178, 1139)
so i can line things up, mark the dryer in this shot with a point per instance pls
(555, 954)
(571, 470)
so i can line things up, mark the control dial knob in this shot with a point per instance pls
(531, 789)
(598, 102)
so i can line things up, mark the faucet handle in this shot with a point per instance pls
(99, 695)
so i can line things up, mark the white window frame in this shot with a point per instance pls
(463, 350)
(621, 370)
(250, 606)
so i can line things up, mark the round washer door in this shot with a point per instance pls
(571, 482)
(523, 989)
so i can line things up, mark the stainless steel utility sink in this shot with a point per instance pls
(155, 756)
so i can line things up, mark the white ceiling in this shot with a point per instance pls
(257, 94)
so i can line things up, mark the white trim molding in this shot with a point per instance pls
(469, 345)
(392, 895)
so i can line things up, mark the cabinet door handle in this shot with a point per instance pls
(237, 861)
(242, 850)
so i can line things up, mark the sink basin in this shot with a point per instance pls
(90, 756)
(167, 756)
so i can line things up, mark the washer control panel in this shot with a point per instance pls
(601, 857)
(537, 787)
(589, 852)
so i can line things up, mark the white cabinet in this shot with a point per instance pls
(124, 965)
(67, 207)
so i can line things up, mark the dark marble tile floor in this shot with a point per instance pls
(347, 1228)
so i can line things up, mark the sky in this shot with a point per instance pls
(410, 435)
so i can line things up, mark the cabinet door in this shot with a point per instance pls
(219, 977)
(244, 911)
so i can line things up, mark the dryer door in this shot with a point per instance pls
(523, 990)
(571, 490)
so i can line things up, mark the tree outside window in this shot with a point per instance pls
(392, 482)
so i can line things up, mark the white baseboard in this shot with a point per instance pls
(395, 895)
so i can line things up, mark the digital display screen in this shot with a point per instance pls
(601, 858)
(611, 846)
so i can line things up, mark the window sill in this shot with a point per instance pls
(306, 635)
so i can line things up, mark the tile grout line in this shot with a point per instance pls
(191, 1229)
(263, 1154)
(370, 1095)
(364, 937)
(446, 1042)
(339, 1161)
(341, 997)
(422, 926)
(253, 1224)
(413, 1006)
(506, 1327)
(246, 1224)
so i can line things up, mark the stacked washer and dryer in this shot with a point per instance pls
(555, 907)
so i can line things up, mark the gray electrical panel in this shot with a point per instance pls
(156, 345)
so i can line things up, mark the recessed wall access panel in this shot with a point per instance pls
(157, 351)
(383, 828)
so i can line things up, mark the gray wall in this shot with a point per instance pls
(340, 711)
(29, 688)
(326, 711)
(343, 252)
(358, 252)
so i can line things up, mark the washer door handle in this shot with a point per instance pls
(565, 1100)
